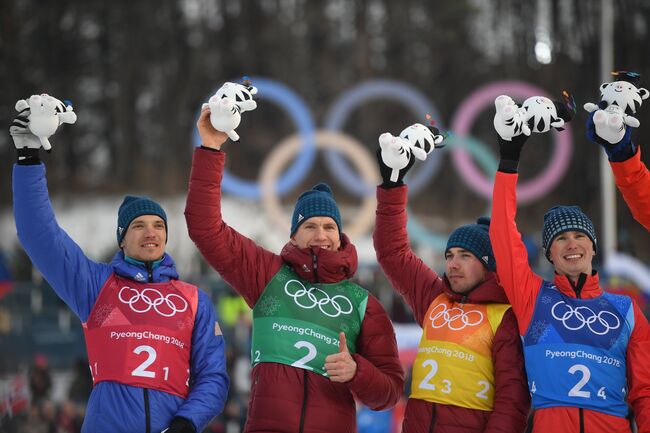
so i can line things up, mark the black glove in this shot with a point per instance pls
(27, 144)
(510, 152)
(386, 171)
(616, 152)
(180, 425)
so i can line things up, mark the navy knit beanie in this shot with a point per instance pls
(317, 201)
(560, 219)
(475, 238)
(132, 207)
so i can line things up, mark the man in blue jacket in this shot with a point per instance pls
(154, 346)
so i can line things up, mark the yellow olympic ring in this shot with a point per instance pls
(350, 147)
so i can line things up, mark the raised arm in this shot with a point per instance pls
(246, 266)
(633, 180)
(76, 279)
(407, 273)
(630, 173)
(515, 275)
(379, 379)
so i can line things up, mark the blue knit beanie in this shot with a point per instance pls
(560, 219)
(132, 207)
(475, 238)
(317, 201)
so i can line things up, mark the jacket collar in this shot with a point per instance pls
(165, 271)
(317, 265)
(590, 288)
(489, 291)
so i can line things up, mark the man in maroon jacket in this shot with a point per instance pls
(469, 374)
(319, 340)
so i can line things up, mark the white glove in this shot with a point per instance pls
(509, 119)
(395, 153)
(611, 122)
(20, 133)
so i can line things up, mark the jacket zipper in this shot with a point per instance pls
(304, 401)
(433, 417)
(147, 414)
(314, 259)
(582, 420)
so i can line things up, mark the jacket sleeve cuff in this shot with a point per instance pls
(397, 195)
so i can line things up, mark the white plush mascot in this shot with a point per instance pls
(509, 119)
(46, 113)
(228, 103)
(416, 139)
(619, 100)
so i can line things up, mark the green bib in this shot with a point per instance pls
(297, 323)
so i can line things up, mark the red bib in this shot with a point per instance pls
(140, 334)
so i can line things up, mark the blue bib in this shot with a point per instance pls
(575, 351)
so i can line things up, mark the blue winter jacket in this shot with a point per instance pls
(114, 407)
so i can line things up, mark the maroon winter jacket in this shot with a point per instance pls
(419, 286)
(285, 398)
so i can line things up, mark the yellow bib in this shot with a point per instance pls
(454, 361)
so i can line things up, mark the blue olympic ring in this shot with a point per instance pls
(378, 89)
(489, 164)
(302, 118)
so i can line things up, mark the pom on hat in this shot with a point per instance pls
(134, 206)
(561, 219)
(317, 201)
(475, 238)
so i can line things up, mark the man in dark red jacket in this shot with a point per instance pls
(468, 375)
(319, 340)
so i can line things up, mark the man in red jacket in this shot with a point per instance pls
(468, 375)
(586, 350)
(319, 340)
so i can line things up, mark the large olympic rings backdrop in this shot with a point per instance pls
(273, 184)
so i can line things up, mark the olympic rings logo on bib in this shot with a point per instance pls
(454, 318)
(585, 316)
(309, 298)
(141, 302)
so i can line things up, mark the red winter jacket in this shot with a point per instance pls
(419, 286)
(522, 286)
(285, 398)
(633, 180)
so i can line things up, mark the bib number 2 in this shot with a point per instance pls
(311, 354)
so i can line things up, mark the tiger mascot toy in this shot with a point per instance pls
(228, 103)
(417, 140)
(619, 101)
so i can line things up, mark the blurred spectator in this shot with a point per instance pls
(82, 383)
(40, 381)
